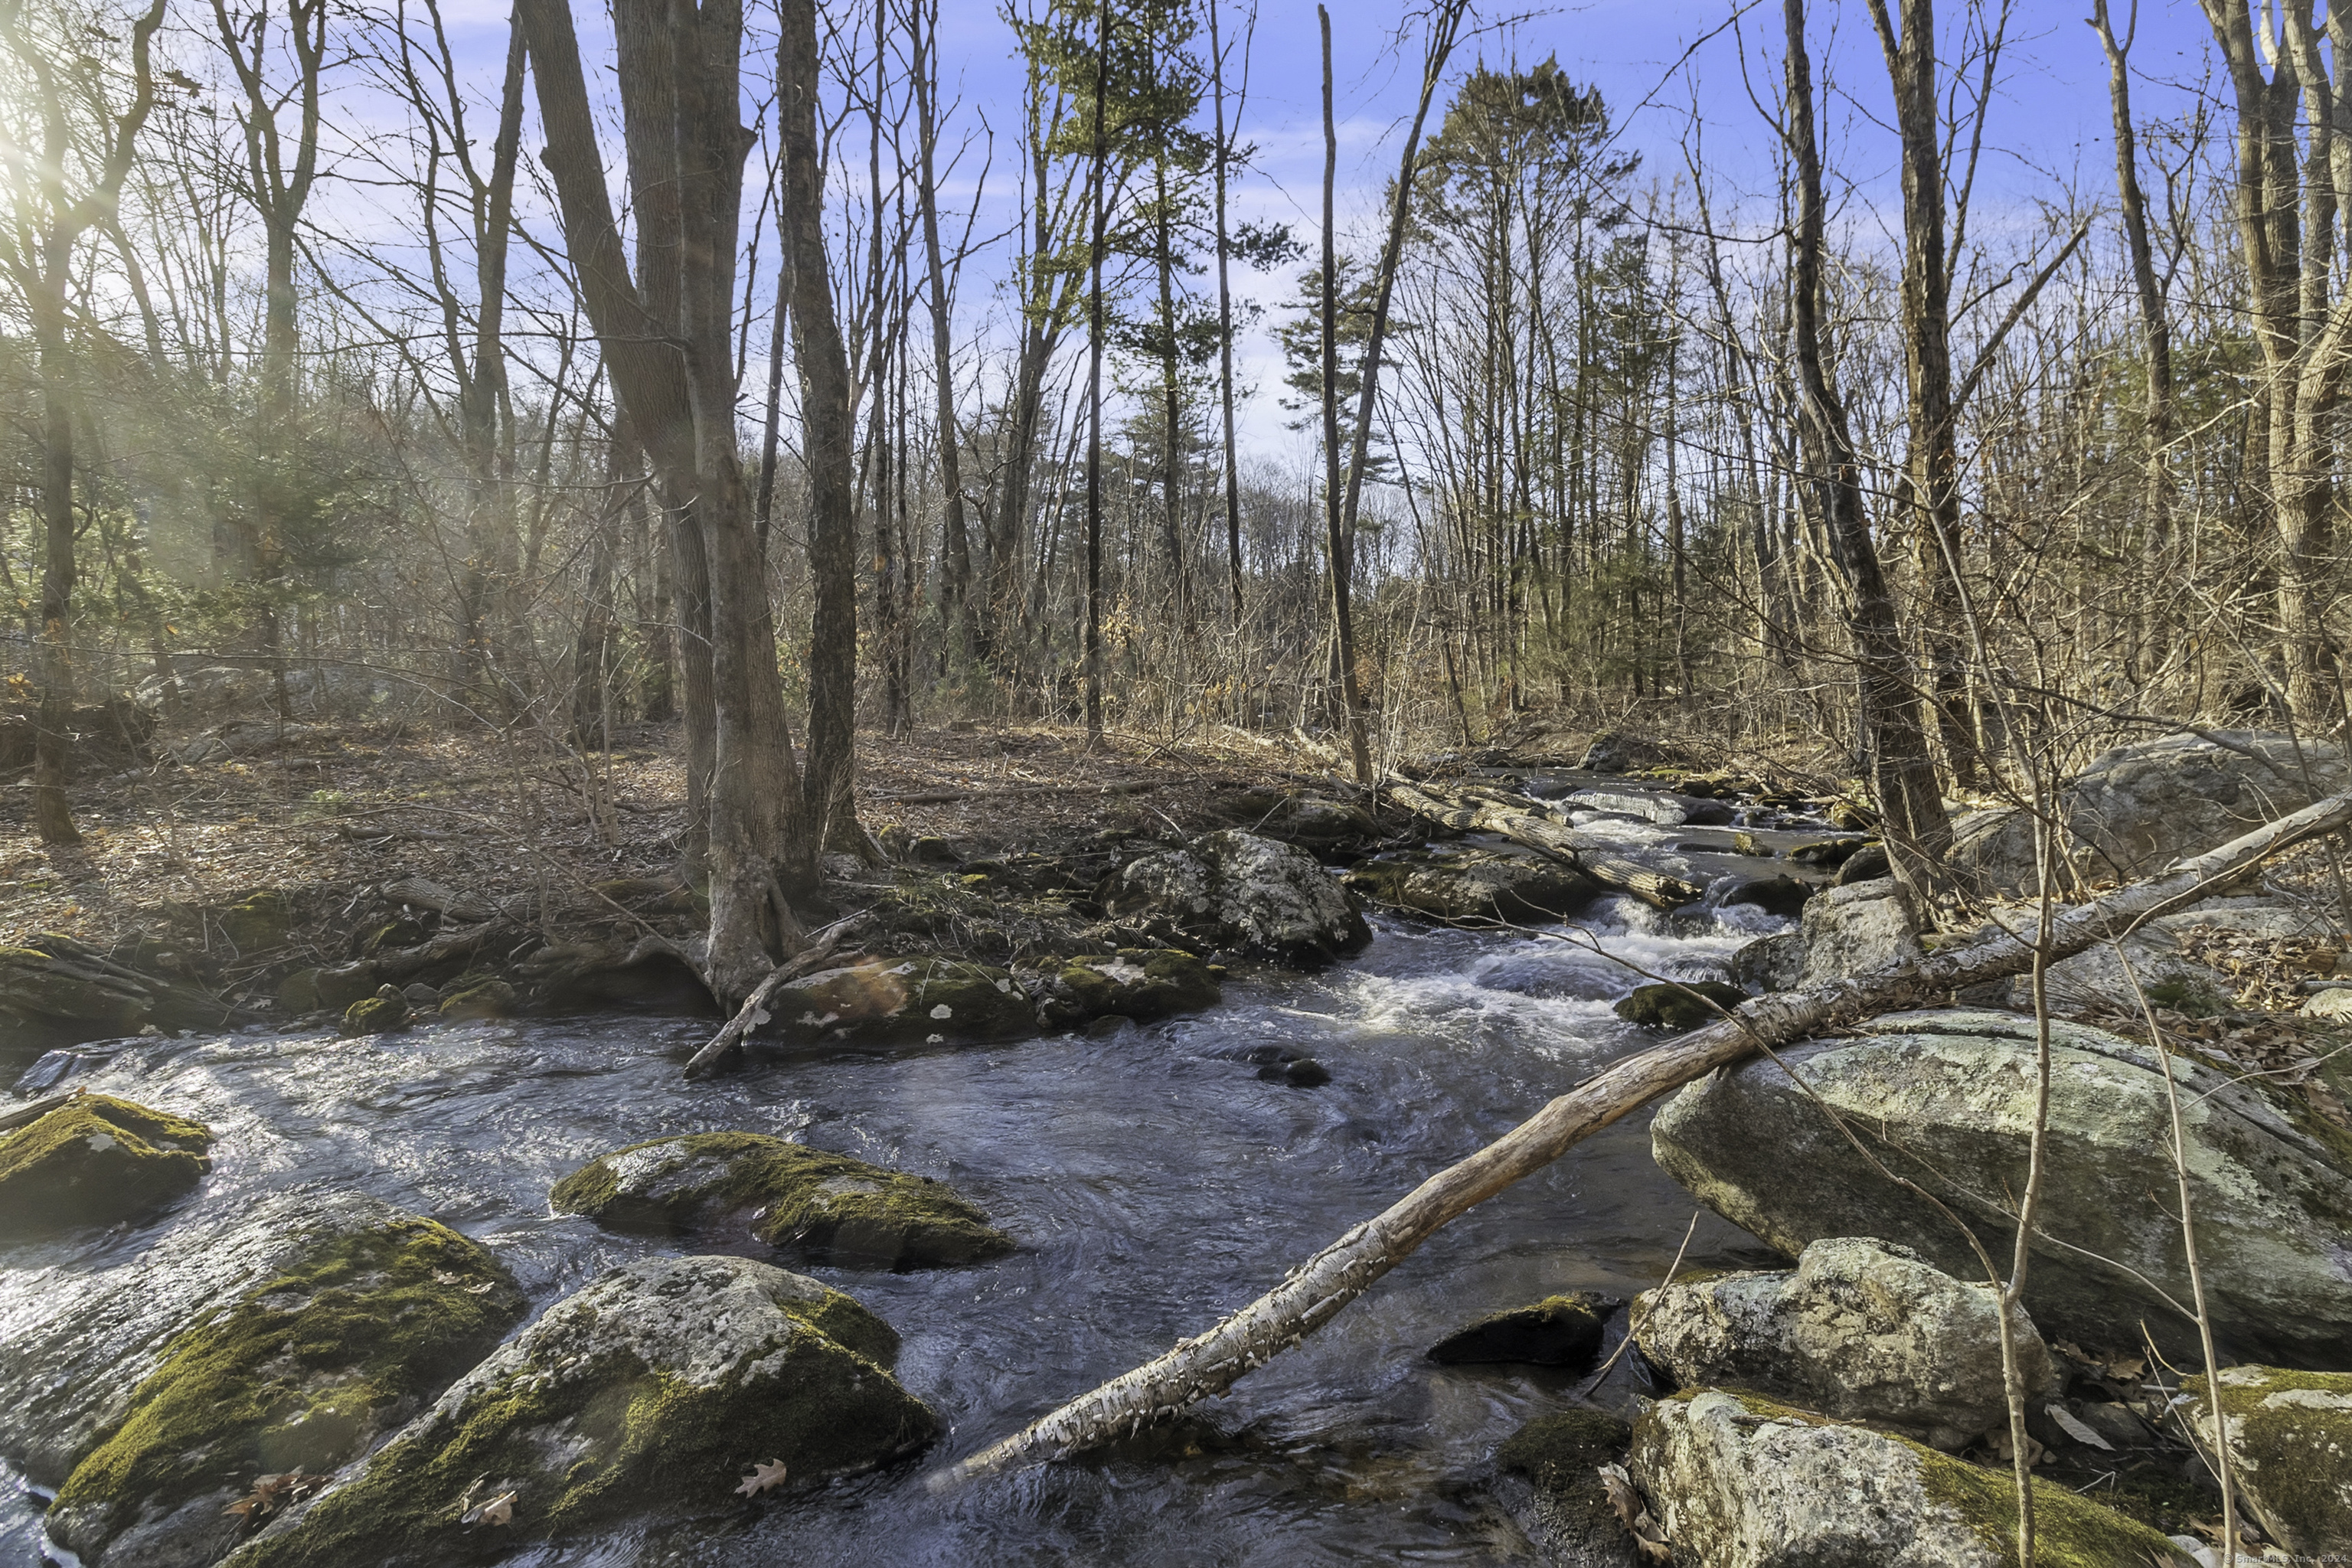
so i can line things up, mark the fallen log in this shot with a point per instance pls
(1531, 828)
(1314, 1294)
(753, 1012)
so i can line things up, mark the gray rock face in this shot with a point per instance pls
(1997, 847)
(1245, 894)
(1738, 1482)
(76, 1349)
(651, 1392)
(2136, 808)
(1854, 930)
(1860, 1330)
(1946, 1099)
(1774, 962)
(2291, 1451)
(2099, 979)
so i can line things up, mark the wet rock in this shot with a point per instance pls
(79, 1346)
(1738, 1481)
(55, 990)
(385, 1013)
(1560, 1331)
(1855, 929)
(95, 1160)
(1860, 1329)
(1656, 806)
(299, 993)
(1947, 1098)
(1774, 962)
(1475, 886)
(1680, 1006)
(336, 987)
(903, 1001)
(298, 1378)
(790, 1195)
(2291, 1450)
(478, 998)
(2136, 808)
(1142, 984)
(1238, 891)
(649, 1394)
(1547, 1477)
(1868, 864)
(1828, 854)
(1774, 895)
(1626, 752)
(1304, 1072)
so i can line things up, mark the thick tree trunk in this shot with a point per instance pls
(1315, 1293)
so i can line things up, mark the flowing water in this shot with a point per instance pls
(1155, 1179)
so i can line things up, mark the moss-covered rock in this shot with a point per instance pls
(478, 998)
(1134, 983)
(1475, 887)
(299, 993)
(384, 1013)
(649, 1394)
(2290, 1450)
(95, 1161)
(299, 1377)
(904, 1000)
(791, 1195)
(1547, 1477)
(1681, 1004)
(1737, 1481)
(1560, 1331)
(256, 922)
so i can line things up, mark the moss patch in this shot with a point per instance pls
(376, 1015)
(257, 921)
(2292, 1434)
(94, 1161)
(301, 1373)
(793, 1195)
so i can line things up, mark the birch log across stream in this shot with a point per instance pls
(1314, 1294)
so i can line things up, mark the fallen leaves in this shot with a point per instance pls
(270, 1492)
(1633, 1514)
(761, 1478)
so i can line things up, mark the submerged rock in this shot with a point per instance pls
(1946, 1099)
(1737, 1481)
(1142, 984)
(1243, 893)
(95, 1160)
(1860, 1329)
(2290, 1451)
(792, 1195)
(1477, 886)
(1854, 929)
(903, 1001)
(1681, 1004)
(1547, 1477)
(296, 1380)
(649, 1393)
(1560, 1331)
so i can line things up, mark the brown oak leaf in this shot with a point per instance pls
(761, 1478)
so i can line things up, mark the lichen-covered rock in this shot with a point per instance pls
(77, 1348)
(1947, 1098)
(2136, 808)
(55, 990)
(791, 1196)
(2097, 981)
(2290, 1451)
(1774, 962)
(1854, 929)
(903, 1001)
(1142, 984)
(298, 1378)
(95, 1160)
(1559, 1331)
(385, 1013)
(1681, 1005)
(649, 1393)
(1860, 1329)
(479, 999)
(1547, 1477)
(1238, 891)
(1476, 887)
(1737, 1481)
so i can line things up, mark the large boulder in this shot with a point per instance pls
(1142, 984)
(95, 1160)
(1476, 887)
(1548, 1479)
(2136, 808)
(2290, 1451)
(903, 1001)
(1995, 849)
(1737, 1481)
(1854, 929)
(55, 990)
(1860, 1329)
(252, 1406)
(789, 1196)
(651, 1392)
(1946, 1099)
(1240, 892)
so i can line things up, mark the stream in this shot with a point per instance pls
(1154, 1178)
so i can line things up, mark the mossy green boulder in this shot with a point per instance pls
(1737, 1481)
(1681, 1004)
(792, 1195)
(2290, 1451)
(298, 1378)
(649, 1395)
(256, 921)
(1142, 984)
(385, 1013)
(1560, 1331)
(903, 1001)
(478, 998)
(95, 1160)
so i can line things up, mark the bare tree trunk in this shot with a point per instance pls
(1099, 196)
(955, 545)
(1342, 555)
(1226, 323)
